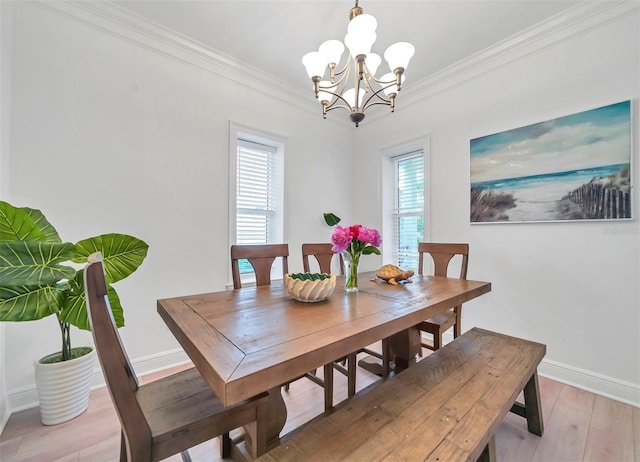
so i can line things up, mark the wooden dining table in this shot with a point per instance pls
(251, 340)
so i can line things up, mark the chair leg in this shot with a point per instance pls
(457, 327)
(351, 374)
(386, 356)
(185, 456)
(225, 445)
(328, 386)
(437, 340)
(123, 448)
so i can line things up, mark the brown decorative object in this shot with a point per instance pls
(442, 255)
(169, 415)
(393, 274)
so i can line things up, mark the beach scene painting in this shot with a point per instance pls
(575, 167)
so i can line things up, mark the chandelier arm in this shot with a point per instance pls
(379, 103)
(368, 75)
(342, 73)
(345, 69)
(334, 105)
(388, 83)
(340, 81)
(382, 82)
(382, 100)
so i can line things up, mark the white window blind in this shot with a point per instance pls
(408, 213)
(257, 188)
(256, 193)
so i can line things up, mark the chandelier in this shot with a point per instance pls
(367, 90)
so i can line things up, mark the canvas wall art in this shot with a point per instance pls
(575, 167)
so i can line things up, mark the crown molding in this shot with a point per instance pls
(579, 19)
(117, 21)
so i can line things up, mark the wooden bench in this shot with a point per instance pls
(448, 407)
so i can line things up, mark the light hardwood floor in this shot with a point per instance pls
(579, 426)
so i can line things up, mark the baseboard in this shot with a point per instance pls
(619, 390)
(27, 397)
(4, 412)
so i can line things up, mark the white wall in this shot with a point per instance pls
(571, 285)
(108, 136)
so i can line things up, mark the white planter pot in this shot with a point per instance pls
(63, 388)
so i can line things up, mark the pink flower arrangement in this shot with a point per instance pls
(353, 241)
(356, 240)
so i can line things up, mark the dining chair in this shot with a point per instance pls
(347, 365)
(442, 254)
(323, 255)
(170, 415)
(261, 257)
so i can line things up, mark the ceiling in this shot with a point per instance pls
(272, 36)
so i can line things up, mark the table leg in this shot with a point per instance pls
(405, 345)
(276, 416)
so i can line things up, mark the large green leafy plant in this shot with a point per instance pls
(35, 277)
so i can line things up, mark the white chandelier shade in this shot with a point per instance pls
(350, 96)
(366, 89)
(332, 51)
(362, 23)
(399, 54)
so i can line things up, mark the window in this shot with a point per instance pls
(257, 184)
(404, 205)
(408, 214)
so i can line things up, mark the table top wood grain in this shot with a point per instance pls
(253, 339)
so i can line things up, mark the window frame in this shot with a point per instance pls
(239, 134)
(389, 159)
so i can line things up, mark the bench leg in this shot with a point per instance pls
(533, 406)
(489, 453)
(532, 409)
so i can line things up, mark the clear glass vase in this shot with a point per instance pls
(351, 271)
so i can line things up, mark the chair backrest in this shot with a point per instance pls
(261, 258)
(118, 372)
(324, 256)
(442, 254)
